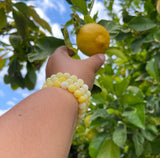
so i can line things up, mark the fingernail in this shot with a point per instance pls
(102, 57)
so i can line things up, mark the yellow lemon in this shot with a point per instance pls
(158, 6)
(87, 123)
(90, 134)
(92, 39)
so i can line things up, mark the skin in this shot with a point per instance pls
(43, 124)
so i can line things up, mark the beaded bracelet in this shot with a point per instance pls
(75, 86)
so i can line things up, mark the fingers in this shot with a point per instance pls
(96, 61)
(65, 51)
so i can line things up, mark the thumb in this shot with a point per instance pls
(96, 61)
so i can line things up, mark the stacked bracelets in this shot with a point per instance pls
(73, 85)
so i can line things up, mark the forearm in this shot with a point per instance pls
(42, 125)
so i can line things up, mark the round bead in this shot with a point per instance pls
(70, 81)
(56, 84)
(49, 83)
(80, 81)
(81, 99)
(77, 93)
(77, 85)
(85, 87)
(61, 79)
(59, 74)
(82, 90)
(67, 75)
(64, 85)
(71, 88)
(82, 105)
(88, 93)
(74, 78)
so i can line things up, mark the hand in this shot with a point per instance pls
(61, 61)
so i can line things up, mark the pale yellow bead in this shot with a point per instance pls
(81, 99)
(71, 88)
(54, 78)
(81, 82)
(67, 75)
(70, 81)
(49, 83)
(61, 79)
(82, 110)
(88, 93)
(82, 90)
(56, 84)
(74, 78)
(59, 74)
(77, 85)
(85, 87)
(77, 93)
(64, 85)
(44, 86)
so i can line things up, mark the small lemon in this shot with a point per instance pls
(158, 6)
(92, 39)
(87, 123)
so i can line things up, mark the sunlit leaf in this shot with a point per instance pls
(138, 140)
(2, 63)
(3, 17)
(114, 51)
(96, 143)
(109, 150)
(80, 5)
(120, 135)
(140, 23)
(44, 47)
(153, 70)
(121, 86)
(136, 115)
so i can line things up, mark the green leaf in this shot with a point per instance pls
(136, 115)
(30, 78)
(121, 87)
(21, 23)
(88, 19)
(109, 150)
(114, 51)
(15, 40)
(138, 140)
(44, 47)
(149, 135)
(156, 36)
(67, 40)
(2, 63)
(80, 5)
(40, 21)
(155, 145)
(153, 69)
(140, 23)
(129, 99)
(112, 28)
(108, 83)
(136, 45)
(120, 135)
(96, 144)
(99, 113)
(3, 17)
(22, 7)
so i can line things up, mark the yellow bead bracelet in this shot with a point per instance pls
(73, 85)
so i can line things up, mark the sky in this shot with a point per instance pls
(55, 13)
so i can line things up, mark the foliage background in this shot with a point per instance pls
(125, 105)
